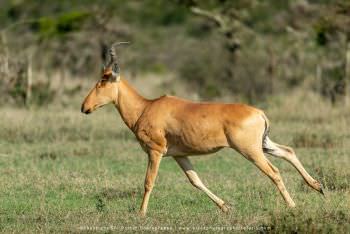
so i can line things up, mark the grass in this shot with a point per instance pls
(62, 171)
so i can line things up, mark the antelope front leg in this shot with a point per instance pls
(154, 158)
(187, 167)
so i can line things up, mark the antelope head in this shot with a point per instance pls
(105, 90)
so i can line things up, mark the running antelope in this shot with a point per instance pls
(171, 126)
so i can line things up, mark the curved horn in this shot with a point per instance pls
(113, 63)
(112, 53)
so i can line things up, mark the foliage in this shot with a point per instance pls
(254, 49)
(61, 25)
(14, 84)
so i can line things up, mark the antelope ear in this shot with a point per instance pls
(115, 72)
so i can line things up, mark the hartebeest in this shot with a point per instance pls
(171, 126)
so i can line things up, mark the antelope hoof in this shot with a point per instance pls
(291, 205)
(225, 208)
(321, 191)
(318, 187)
(142, 214)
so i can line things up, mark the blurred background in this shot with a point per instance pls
(62, 170)
(241, 51)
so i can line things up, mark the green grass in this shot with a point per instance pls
(63, 171)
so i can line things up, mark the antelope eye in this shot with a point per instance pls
(106, 76)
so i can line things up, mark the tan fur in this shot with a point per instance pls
(170, 126)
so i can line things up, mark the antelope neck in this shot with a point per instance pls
(130, 103)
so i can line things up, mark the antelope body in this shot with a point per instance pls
(170, 126)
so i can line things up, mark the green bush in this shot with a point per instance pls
(58, 26)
